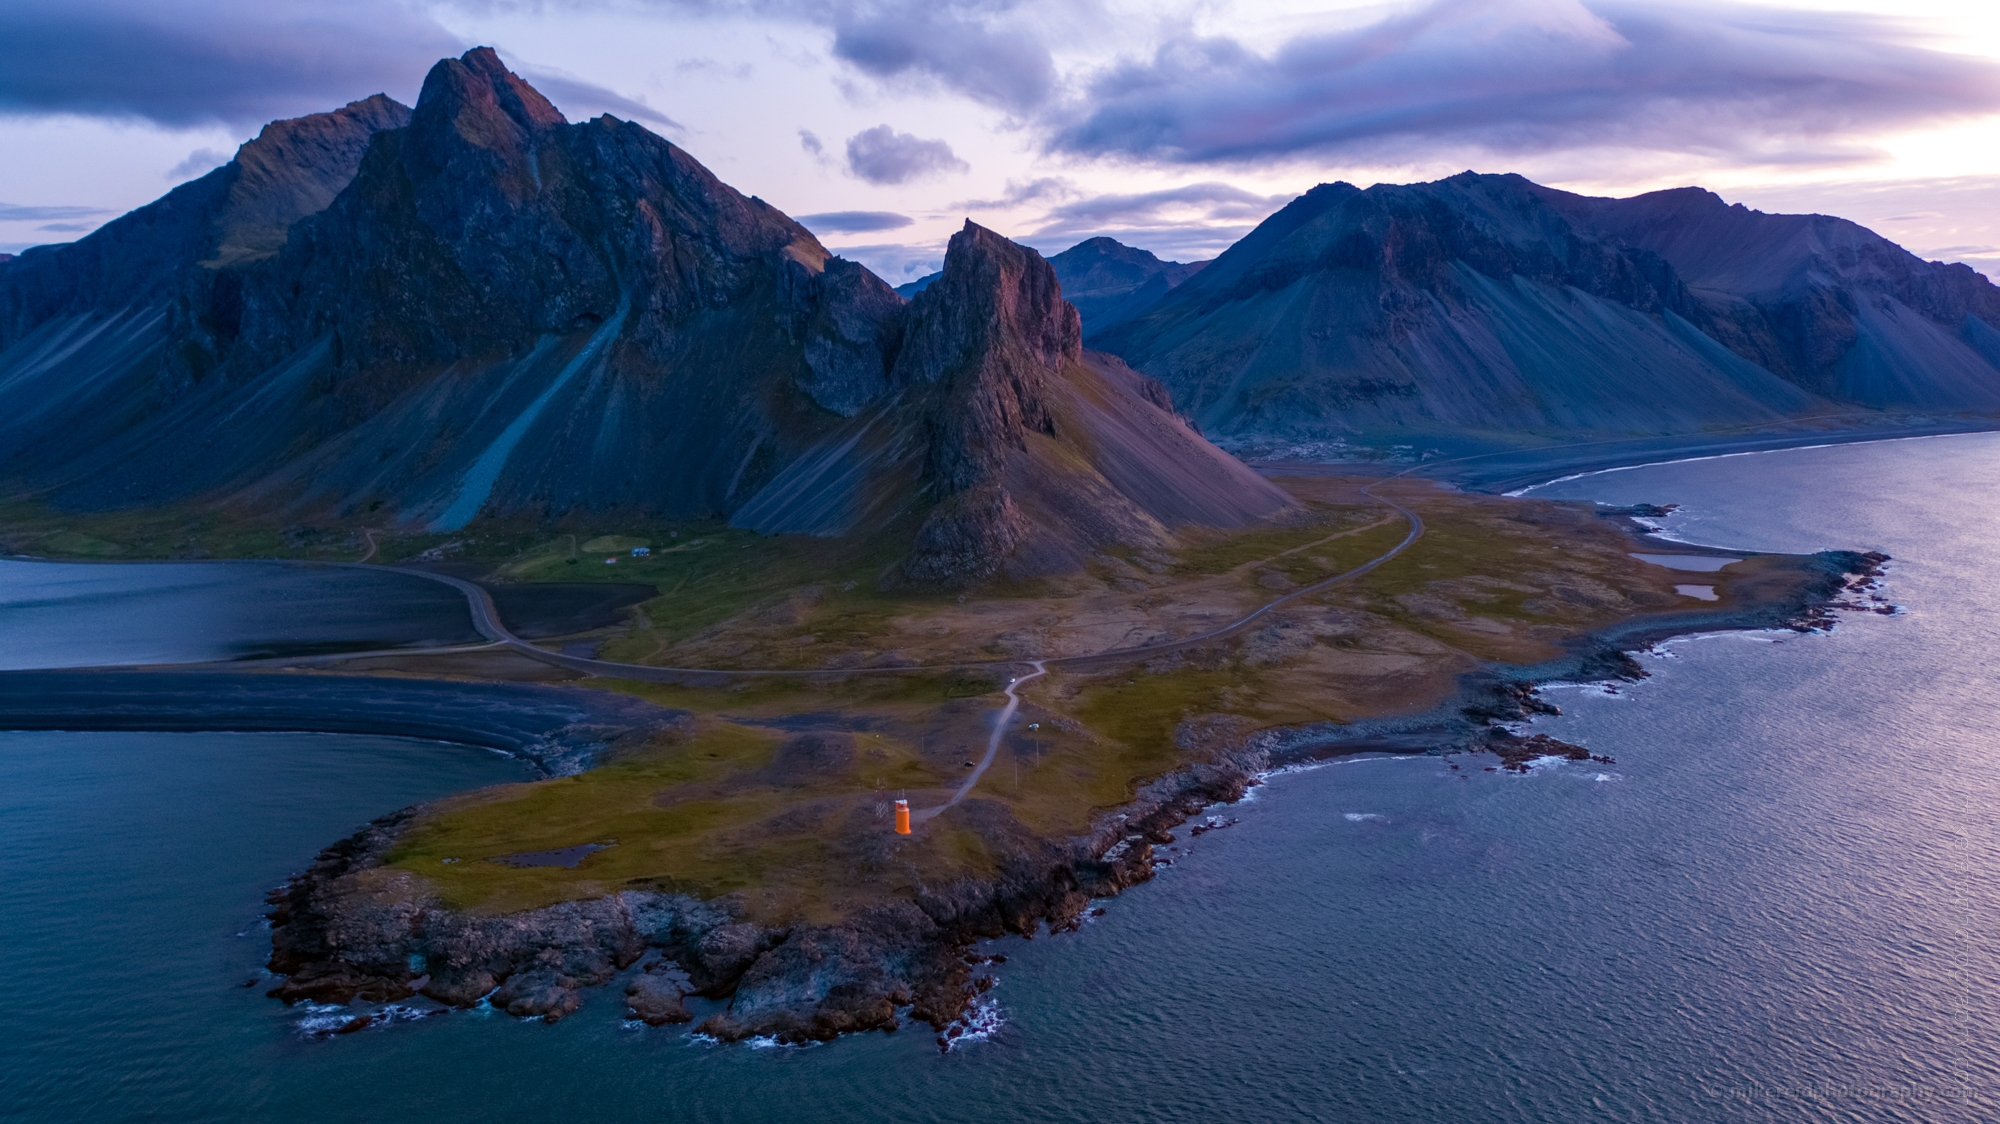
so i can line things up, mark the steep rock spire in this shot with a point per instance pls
(988, 333)
(982, 345)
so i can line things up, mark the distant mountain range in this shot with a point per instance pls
(475, 309)
(1488, 308)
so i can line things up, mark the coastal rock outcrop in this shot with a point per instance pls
(353, 927)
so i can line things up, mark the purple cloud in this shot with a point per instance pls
(958, 46)
(882, 155)
(991, 51)
(580, 100)
(238, 62)
(1513, 76)
(20, 212)
(1194, 221)
(853, 222)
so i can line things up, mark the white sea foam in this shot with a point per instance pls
(977, 1025)
(323, 1020)
(1364, 817)
(1602, 689)
(1311, 766)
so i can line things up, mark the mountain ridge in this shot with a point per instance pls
(505, 315)
(1490, 308)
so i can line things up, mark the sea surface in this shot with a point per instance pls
(1781, 904)
(83, 614)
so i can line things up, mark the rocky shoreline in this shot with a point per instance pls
(351, 928)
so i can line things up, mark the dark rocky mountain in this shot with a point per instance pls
(476, 308)
(1826, 303)
(1028, 451)
(1487, 308)
(1110, 282)
(165, 258)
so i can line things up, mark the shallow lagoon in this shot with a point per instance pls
(1779, 905)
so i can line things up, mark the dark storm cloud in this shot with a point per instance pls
(242, 62)
(882, 155)
(1516, 76)
(853, 222)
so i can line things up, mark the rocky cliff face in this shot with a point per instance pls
(1489, 305)
(1018, 450)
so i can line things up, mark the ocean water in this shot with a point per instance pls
(67, 614)
(1781, 904)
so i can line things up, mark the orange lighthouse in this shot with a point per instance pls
(902, 817)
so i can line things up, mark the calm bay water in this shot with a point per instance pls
(1780, 905)
(65, 614)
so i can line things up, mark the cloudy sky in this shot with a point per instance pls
(1175, 125)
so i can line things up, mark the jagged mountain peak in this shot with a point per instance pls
(1018, 450)
(476, 90)
(1038, 450)
(991, 329)
(502, 315)
(992, 288)
(476, 118)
